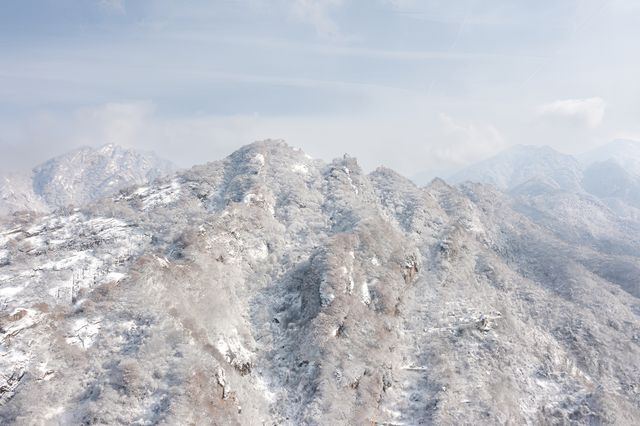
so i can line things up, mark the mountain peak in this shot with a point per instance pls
(625, 152)
(77, 179)
(522, 163)
(80, 176)
(110, 149)
(268, 148)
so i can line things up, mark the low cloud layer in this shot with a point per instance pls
(422, 87)
(588, 111)
(436, 143)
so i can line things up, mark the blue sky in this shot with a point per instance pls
(420, 86)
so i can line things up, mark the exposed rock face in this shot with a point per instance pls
(270, 288)
(78, 178)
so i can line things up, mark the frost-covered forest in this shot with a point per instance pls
(272, 288)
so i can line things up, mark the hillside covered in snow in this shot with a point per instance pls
(273, 288)
(78, 177)
(610, 173)
(525, 165)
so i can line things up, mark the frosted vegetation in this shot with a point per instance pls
(271, 288)
(78, 178)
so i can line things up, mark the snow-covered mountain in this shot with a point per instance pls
(539, 166)
(610, 180)
(79, 177)
(17, 194)
(625, 153)
(271, 288)
(610, 173)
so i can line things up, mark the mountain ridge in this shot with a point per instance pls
(269, 287)
(608, 173)
(522, 163)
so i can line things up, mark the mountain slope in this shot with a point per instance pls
(17, 194)
(626, 153)
(609, 180)
(79, 177)
(609, 174)
(88, 174)
(612, 173)
(522, 165)
(270, 288)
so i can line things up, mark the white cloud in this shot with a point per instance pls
(47, 134)
(588, 111)
(113, 6)
(402, 5)
(120, 123)
(318, 14)
(410, 143)
(464, 143)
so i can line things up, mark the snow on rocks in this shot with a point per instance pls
(151, 197)
(18, 320)
(365, 293)
(115, 277)
(258, 251)
(222, 382)
(235, 353)
(300, 168)
(326, 293)
(347, 172)
(62, 294)
(10, 291)
(46, 373)
(165, 195)
(257, 159)
(9, 381)
(81, 252)
(83, 332)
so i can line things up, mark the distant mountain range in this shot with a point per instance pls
(79, 177)
(626, 153)
(611, 173)
(521, 164)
